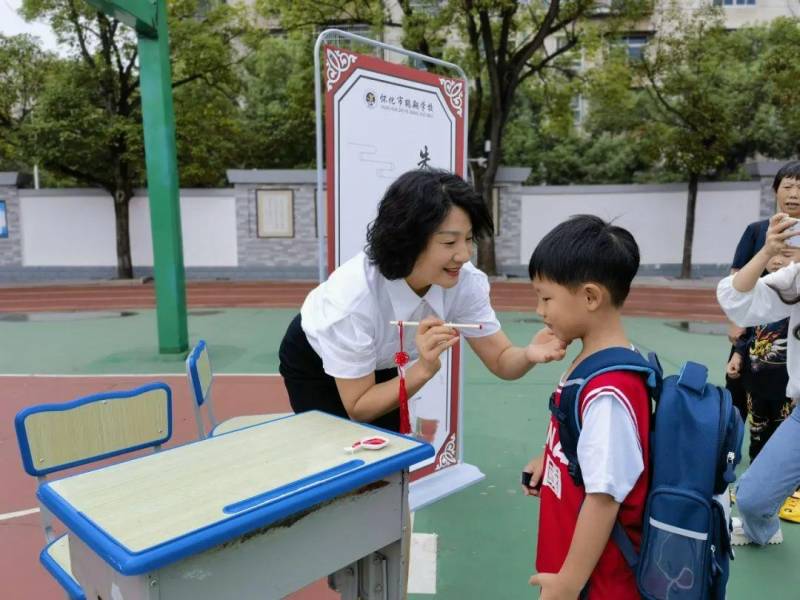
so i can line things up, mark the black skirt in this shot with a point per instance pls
(310, 387)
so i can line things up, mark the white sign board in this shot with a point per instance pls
(384, 119)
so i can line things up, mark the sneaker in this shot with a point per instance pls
(740, 538)
(790, 511)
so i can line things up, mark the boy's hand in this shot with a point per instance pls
(536, 469)
(554, 587)
(545, 347)
(734, 368)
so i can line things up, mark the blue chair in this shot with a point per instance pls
(198, 368)
(54, 437)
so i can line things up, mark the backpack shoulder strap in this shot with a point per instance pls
(567, 413)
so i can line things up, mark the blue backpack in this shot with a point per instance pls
(695, 444)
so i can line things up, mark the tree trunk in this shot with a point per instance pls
(122, 200)
(688, 235)
(484, 182)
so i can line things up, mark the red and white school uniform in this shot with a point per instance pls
(613, 453)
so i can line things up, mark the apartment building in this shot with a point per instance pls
(736, 14)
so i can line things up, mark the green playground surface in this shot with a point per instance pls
(487, 532)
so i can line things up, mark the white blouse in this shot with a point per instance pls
(346, 318)
(762, 305)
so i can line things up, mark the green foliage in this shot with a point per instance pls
(209, 134)
(83, 124)
(704, 99)
(79, 115)
(24, 69)
(279, 103)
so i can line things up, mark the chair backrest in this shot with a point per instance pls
(53, 437)
(198, 368)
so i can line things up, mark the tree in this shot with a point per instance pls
(84, 121)
(701, 100)
(542, 133)
(775, 129)
(278, 94)
(698, 80)
(24, 68)
(501, 44)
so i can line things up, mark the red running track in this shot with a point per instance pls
(694, 304)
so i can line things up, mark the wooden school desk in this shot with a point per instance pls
(255, 513)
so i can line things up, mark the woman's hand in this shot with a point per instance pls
(778, 233)
(432, 339)
(545, 347)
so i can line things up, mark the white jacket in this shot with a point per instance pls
(763, 305)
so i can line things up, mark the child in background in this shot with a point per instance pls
(762, 349)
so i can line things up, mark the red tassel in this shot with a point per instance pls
(401, 360)
(405, 422)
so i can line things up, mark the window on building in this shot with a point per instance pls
(430, 7)
(734, 2)
(362, 29)
(634, 44)
(578, 105)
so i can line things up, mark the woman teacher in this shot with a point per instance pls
(338, 354)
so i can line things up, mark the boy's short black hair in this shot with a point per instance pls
(587, 249)
(790, 170)
(411, 210)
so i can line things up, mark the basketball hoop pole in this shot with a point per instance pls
(149, 19)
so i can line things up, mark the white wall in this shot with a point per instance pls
(654, 214)
(73, 230)
(209, 231)
(76, 228)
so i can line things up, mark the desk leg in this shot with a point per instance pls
(100, 581)
(346, 581)
(382, 575)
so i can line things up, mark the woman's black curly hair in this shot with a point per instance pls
(410, 212)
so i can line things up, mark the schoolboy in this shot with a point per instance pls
(582, 272)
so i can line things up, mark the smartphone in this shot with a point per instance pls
(526, 481)
(794, 241)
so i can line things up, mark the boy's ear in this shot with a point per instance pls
(593, 295)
